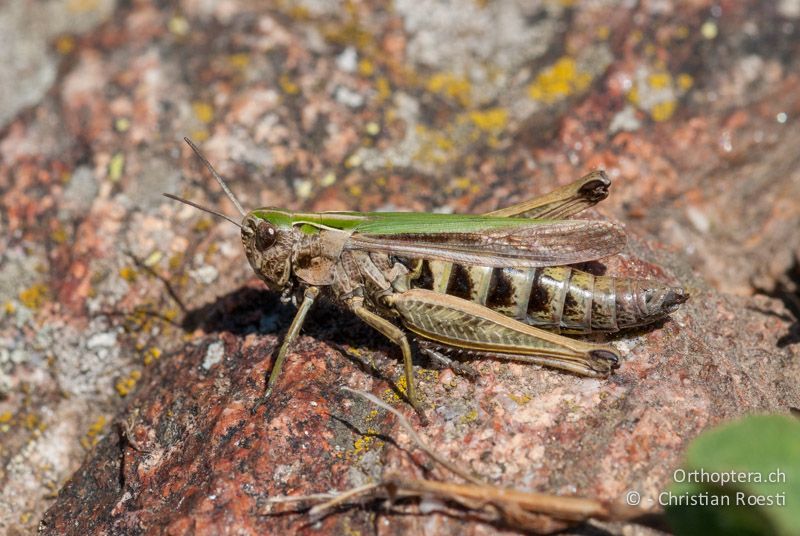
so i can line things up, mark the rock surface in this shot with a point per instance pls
(134, 338)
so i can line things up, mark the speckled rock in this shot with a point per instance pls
(134, 339)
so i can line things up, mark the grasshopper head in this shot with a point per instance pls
(269, 249)
(266, 234)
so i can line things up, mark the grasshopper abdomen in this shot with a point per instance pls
(557, 298)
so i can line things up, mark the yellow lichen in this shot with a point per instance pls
(663, 110)
(660, 80)
(82, 6)
(31, 421)
(239, 61)
(287, 85)
(373, 128)
(428, 375)
(65, 44)
(558, 81)
(152, 354)
(299, 13)
(436, 146)
(116, 166)
(153, 259)
(470, 416)
(200, 135)
(34, 296)
(350, 33)
(203, 111)
(6, 417)
(124, 386)
(685, 81)
(94, 433)
(128, 273)
(462, 183)
(491, 120)
(122, 124)
(633, 95)
(97, 426)
(443, 143)
(174, 261)
(203, 224)
(365, 67)
(709, 30)
(454, 87)
(362, 443)
(383, 88)
(178, 25)
(354, 160)
(520, 399)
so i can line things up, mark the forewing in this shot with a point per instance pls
(526, 244)
(563, 202)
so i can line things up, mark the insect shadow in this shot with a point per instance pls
(787, 289)
(240, 312)
(259, 310)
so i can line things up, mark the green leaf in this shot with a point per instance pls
(741, 478)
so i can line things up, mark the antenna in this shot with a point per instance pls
(219, 180)
(204, 209)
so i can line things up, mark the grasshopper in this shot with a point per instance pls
(482, 284)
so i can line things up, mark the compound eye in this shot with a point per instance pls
(265, 235)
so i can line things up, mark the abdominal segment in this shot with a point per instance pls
(556, 298)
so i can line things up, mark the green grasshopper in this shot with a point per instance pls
(481, 284)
